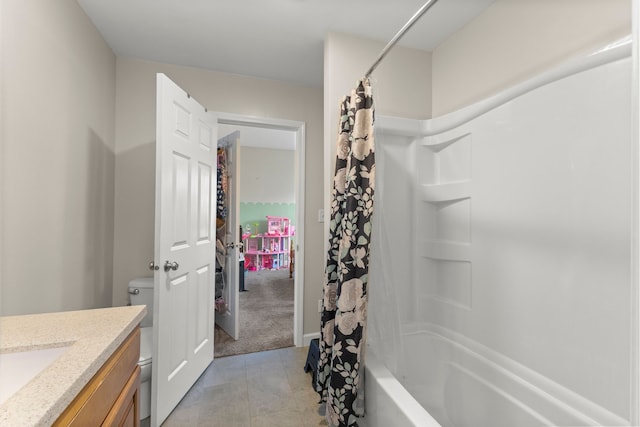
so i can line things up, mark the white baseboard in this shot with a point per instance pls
(306, 338)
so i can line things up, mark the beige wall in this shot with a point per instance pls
(267, 175)
(401, 87)
(58, 101)
(135, 158)
(401, 84)
(516, 39)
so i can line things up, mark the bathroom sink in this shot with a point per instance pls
(17, 369)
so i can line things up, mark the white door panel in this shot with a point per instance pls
(229, 319)
(183, 313)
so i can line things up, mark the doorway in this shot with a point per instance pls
(260, 192)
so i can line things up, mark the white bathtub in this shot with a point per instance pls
(388, 402)
(447, 380)
(503, 258)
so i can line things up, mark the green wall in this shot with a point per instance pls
(250, 213)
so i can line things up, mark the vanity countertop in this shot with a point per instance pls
(90, 338)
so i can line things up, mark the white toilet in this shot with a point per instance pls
(141, 293)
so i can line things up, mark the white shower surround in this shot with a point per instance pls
(503, 273)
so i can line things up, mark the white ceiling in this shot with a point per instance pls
(252, 136)
(272, 39)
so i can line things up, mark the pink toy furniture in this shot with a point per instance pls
(270, 250)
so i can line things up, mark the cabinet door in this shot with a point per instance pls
(94, 405)
(126, 410)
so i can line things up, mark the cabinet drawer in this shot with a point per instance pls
(95, 401)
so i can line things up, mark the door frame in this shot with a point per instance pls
(299, 186)
(635, 305)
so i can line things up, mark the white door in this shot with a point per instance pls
(184, 246)
(228, 318)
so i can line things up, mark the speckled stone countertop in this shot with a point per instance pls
(91, 336)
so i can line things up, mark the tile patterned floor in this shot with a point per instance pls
(263, 389)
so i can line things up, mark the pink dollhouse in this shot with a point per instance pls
(270, 250)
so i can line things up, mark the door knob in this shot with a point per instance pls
(234, 245)
(153, 266)
(171, 266)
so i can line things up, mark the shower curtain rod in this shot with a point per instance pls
(400, 33)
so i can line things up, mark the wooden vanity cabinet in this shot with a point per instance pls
(112, 396)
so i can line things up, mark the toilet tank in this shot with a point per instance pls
(141, 293)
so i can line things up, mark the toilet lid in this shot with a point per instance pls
(146, 344)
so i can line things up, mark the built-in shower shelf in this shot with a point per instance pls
(439, 142)
(442, 250)
(434, 193)
(445, 193)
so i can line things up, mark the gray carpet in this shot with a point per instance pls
(266, 315)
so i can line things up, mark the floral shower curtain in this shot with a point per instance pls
(344, 313)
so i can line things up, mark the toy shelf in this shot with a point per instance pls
(269, 251)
